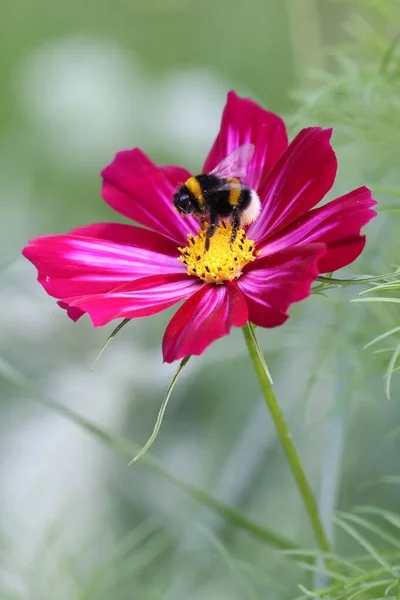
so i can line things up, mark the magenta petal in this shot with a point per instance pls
(113, 232)
(73, 265)
(73, 313)
(301, 178)
(206, 316)
(175, 175)
(140, 298)
(337, 224)
(244, 121)
(140, 190)
(274, 282)
(128, 234)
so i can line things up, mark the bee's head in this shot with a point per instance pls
(183, 202)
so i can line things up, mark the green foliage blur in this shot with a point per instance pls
(213, 513)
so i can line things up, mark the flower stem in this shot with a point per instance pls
(287, 442)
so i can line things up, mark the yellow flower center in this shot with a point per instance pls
(223, 260)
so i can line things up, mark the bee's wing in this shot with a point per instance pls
(228, 186)
(236, 163)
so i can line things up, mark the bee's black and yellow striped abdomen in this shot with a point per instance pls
(235, 193)
(216, 198)
(212, 193)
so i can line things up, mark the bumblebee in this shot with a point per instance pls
(220, 194)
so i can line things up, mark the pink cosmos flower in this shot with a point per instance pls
(113, 271)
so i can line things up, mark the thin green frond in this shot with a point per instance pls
(109, 580)
(357, 280)
(381, 583)
(125, 547)
(346, 563)
(390, 517)
(389, 210)
(108, 340)
(382, 337)
(387, 191)
(377, 299)
(372, 527)
(368, 547)
(125, 448)
(352, 584)
(242, 583)
(390, 370)
(161, 412)
(387, 479)
(331, 575)
(384, 287)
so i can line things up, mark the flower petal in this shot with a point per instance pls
(140, 190)
(274, 282)
(337, 224)
(243, 122)
(128, 234)
(73, 265)
(73, 313)
(141, 298)
(206, 316)
(300, 179)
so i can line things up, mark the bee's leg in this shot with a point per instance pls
(235, 224)
(213, 217)
(203, 221)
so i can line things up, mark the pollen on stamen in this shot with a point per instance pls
(223, 261)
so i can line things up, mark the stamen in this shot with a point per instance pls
(223, 261)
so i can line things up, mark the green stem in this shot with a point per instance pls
(287, 442)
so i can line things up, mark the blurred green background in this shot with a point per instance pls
(80, 81)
